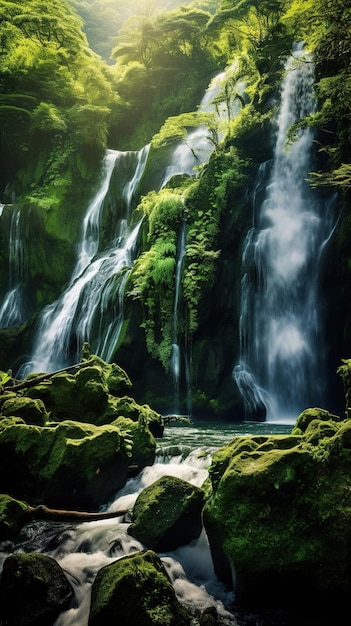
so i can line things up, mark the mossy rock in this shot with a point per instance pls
(345, 373)
(67, 465)
(32, 411)
(58, 394)
(117, 380)
(13, 515)
(34, 590)
(91, 392)
(309, 415)
(279, 518)
(167, 514)
(135, 590)
(127, 407)
(143, 443)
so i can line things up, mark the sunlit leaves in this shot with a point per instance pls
(176, 128)
(149, 38)
(47, 118)
(36, 23)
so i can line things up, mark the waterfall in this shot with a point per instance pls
(12, 310)
(279, 371)
(175, 363)
(91, 308)
(197, 147)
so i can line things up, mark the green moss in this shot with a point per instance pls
(138, 589)
(63, 463)
(143, 443)
(279, 502)
(167, 514)
(13, 515)
(309, 415)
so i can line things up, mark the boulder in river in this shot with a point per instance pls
(167, 514)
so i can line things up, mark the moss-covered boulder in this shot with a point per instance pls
(128, 407)
(33, 590)
(279, 518)
(68, 465)
(309, 415)
(13, 514)
(143, 443)
(135, 590)
(167, 514)
(32, 411)
(91, 393)
(96, 394)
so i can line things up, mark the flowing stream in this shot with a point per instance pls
(280, 368)
(83, 549)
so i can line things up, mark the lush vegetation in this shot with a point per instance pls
(62, 104)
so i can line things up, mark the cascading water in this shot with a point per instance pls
(83, 549)
(12, 310)
(194, 151)
(176, 359)
(198, 145)
(94, 296)
(279, 369)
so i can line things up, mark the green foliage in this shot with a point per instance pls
(326, 28)
(176, 128)
(52, 87)
(47, 118)
(152, 278)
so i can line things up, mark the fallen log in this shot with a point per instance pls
(42, 512)
(31, 382)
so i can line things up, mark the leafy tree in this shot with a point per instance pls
(47, 75)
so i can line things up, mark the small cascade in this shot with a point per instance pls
(91, 308)
(176, 356)
(83, 549)
(12, 308)
(197, 148)
(279, 369)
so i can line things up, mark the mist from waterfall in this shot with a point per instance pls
(280, 371)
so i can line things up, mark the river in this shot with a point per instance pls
(82, 549)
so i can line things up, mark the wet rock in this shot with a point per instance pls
(167, 514)
(143, 446)
(279, 518)
(135, 590)
(13, 514)
(33, 590)
(32, 411)
(64, 465)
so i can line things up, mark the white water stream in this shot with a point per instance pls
(83, 549)
(280, 368)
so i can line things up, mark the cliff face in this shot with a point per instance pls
(217, 209)
(171, 311)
